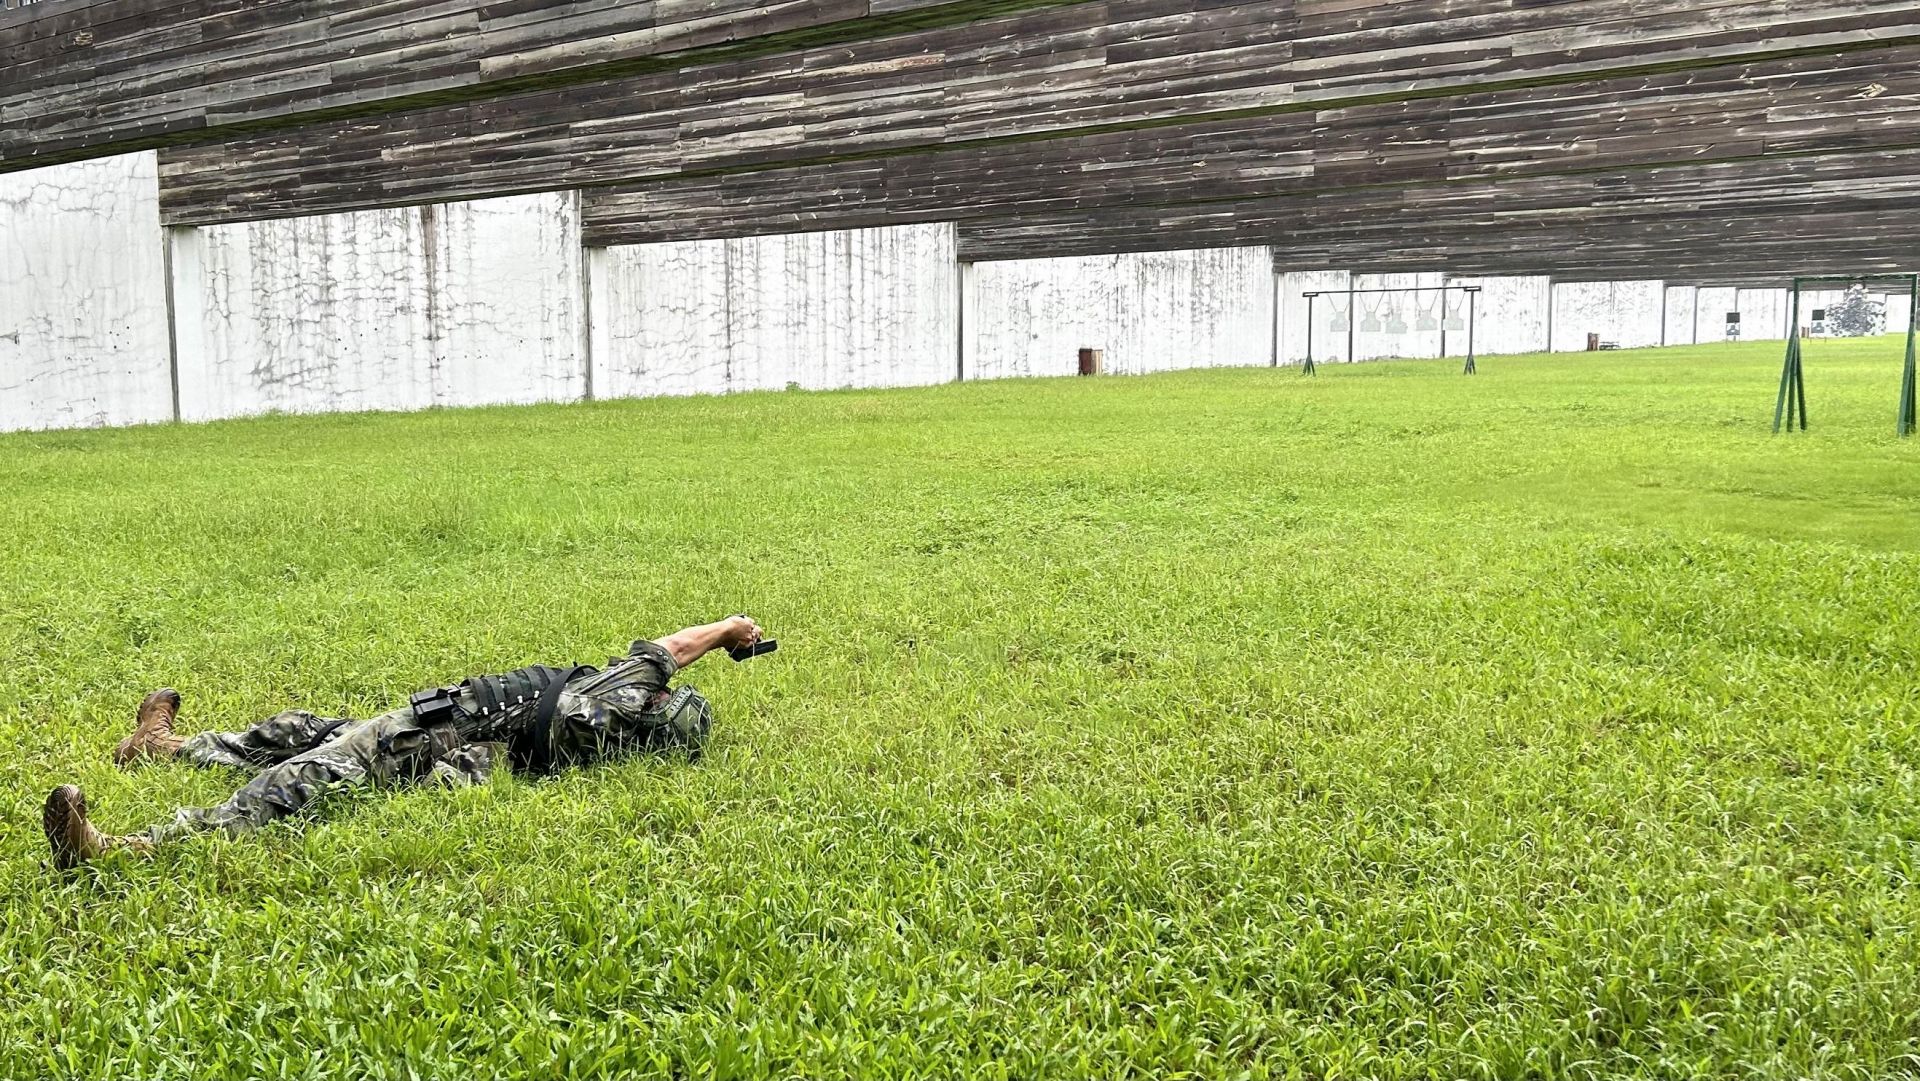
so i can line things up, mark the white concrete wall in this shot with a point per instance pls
(1152, 311)
(1511, 314)
(1392, 324)
(850, 308)
(1710, 319)
(1899, 313)
(1329, 342)
(1682, 315)
(456, 304)
(1763, 314)
(1633, 314)
(83, 312)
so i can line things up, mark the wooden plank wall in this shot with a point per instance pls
(1521, 225)
(1793, 107)
(93, 76)
(1029, 77)
(1514, 136)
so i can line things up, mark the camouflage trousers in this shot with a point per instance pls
(300, 759)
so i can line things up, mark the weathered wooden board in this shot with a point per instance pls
(1793, 107)
(1706, 218)
(1605, 138)
(107, 76)
(1073, 71)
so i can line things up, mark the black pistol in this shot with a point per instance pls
(747, 653)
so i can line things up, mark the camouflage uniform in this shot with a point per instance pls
(300, 757)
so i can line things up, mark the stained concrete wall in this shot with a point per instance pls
(1399, 324)
(489, 301)
(1328, 336)
(456, 304)
(83, 306)
(1148, 312)
(1632, 314)
(850, 308)
(1682, 315)
(1511, 314)
(1899, 313)
(1711, 305)
(1763, 314)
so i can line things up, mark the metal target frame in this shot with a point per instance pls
(1790, 407)
(1473, 298)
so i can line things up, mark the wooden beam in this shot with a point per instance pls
(84, 79)
(1082, 70)
(1793, 107)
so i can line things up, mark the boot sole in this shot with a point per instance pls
(140, 744)
(64, 804)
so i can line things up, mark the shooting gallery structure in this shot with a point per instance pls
(213, 208)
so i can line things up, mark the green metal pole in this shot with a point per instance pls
(1907, 388)
(1783, 406)
(1471, 299)
(1308, 368)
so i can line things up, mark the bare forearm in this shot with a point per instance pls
(693, 643)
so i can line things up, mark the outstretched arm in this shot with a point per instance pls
(693, 643)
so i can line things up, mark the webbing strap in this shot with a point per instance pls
(541, 752)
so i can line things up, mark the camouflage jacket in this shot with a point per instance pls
(621, 709)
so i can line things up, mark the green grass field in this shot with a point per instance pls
(1559, 722)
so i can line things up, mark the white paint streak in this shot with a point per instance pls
(1763, 314)
(1680, 317)
(1510, 315)
(83, 316)
(1328, 338)
(1714, 304)
(457, 304)
(850, 308)
(1631, 314)
(1151, 311)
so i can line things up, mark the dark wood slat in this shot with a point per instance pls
(1796, 106)
(108, 77)
(1755, 216)
(1068, 72)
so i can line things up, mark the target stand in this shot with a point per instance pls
(1790, 408)
(1472, 293)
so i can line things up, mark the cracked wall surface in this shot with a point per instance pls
(83, 305)
(1153, 311)
(1631, 313)
(850, 308)
(453, 304)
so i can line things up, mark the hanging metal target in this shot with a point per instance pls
(1395, 324)
(1370, 322)
(1426, 320)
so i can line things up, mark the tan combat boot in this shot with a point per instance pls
(153, 729)
(74, 840)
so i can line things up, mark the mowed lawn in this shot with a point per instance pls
(1554, 722)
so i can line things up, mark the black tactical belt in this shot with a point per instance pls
(497, 694)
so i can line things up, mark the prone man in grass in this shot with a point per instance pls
(541, 719)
